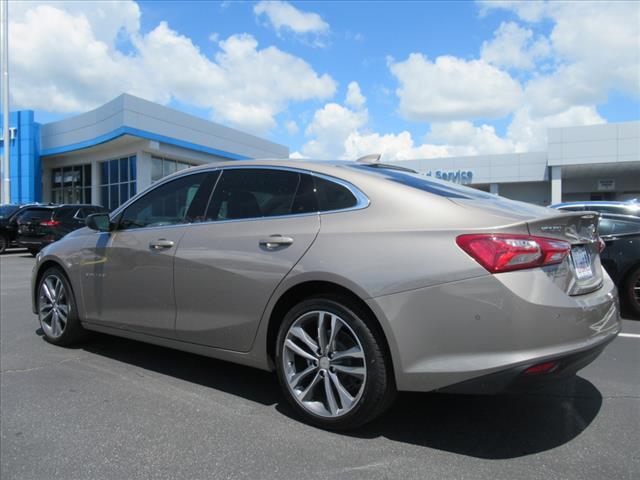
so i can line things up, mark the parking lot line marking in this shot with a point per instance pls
(630, 335)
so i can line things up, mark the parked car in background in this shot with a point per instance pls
(621, 256)
(350, 280)
(630, 207)
(8, 223)
(40, 226)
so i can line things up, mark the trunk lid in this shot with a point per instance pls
(581, 271)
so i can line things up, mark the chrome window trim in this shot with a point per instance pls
(362, 201)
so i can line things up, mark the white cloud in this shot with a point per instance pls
(67, 61)
(340, 132)
(283, 16)
(330, 127)
(453, 89)
(464, 138)
(596, 46)
(355, 98)
(514, 47)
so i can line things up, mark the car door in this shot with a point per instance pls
(128, 272)
(259, 223)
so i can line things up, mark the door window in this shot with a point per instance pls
(253, 193)
(176, 202)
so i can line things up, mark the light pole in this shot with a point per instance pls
(4, 47)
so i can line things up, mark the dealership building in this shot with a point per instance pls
(595, 162)
(108, 154)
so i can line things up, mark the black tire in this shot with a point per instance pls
(4, 244)
(631, 296)
(379, 389)
(34, 251)
(72, 332)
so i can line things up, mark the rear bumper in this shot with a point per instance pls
(29, 242)
(455, 333)
(515, 379)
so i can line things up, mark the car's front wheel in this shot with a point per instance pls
(4, 243)
(57, 311)
(332, 365)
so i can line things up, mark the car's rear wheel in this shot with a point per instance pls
(57, 310)
(332, 364)
(4, 243)
(632, 291)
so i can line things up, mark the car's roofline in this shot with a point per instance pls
(604, 203)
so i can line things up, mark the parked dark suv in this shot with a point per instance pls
(621, 256)
(38, 227)
(9, 214)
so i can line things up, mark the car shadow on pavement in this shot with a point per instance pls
(488, 427)
(491, 427)
(250, 383)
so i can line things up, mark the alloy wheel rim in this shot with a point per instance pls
(324, 364)
(53, 306)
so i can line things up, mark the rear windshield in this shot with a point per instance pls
(424, 183)
(32, 214)
(7, 210)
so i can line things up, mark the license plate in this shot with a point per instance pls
(581, 263)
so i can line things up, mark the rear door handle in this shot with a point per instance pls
(275, 241)
(161, 244)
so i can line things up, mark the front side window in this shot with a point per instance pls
(7, 210)
(253, 193)
(176, 202)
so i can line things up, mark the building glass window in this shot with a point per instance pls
(161, 167)
(71, 184)
(117, 181)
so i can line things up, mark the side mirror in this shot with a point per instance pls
(99, 221)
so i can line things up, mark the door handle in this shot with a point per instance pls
(161, 244)
(275, 241)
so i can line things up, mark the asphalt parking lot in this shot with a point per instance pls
(119, 409)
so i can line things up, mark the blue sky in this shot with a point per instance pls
(425, 78)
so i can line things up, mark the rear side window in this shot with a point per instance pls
(333, 196)
(254, 193)
(609, 226)
(64, 213)
(35, 214)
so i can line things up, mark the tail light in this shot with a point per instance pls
(50, 223)
(504, 252)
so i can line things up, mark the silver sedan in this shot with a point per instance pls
(351, 280)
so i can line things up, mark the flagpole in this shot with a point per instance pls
(6, 182)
